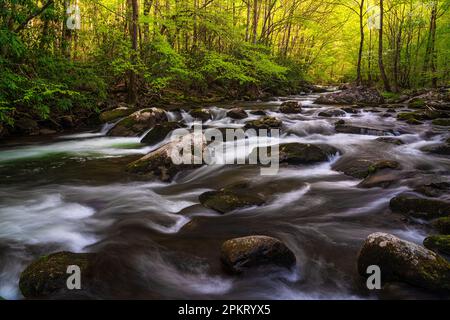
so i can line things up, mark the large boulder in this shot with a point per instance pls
(290, 107)
(419, 207)
(438, 243)
(247, 253)
(404, 261)
(237, 113)
(48, 275)
(166, 161)
(231, 198)
(120, 112)
(361, 167)
(264, 123)
(302, 153)
(159, 132)
(138, 122)
(355, 95)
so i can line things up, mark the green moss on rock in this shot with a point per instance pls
(438, 243)
(420, 207)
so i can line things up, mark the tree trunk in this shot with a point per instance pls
(385, 79)
(361, 42)
(132, 85)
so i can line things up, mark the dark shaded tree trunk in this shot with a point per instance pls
(384, 77)
(361, 42)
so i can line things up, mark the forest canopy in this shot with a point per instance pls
(60, 56)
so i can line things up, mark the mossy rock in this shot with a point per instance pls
(390, 140)
(48, 275)
(258, 112)
(442, 122)
(159, 132)
(290, 107)
(417, 103)
(248, 253)
(264, 123)
(420, 207)
(200, 114)
(438, 243)
(435, 189)
(442, 225)
(110, 115)
(360, 168)
(165, 162)
(403, 261)
(302, 153)
(237, 113)
(138, 122)
(230, 198)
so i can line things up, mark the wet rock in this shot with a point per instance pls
(120, 112)
(381, 179)
(67, 121)
(435, 189)
(422, 115)
(264, 123)
(301, 153)
(438, 243)
(351, 129)
(419, 207)
(258, 112)
(231, 198)
(360, 167)
(237, 113)
(351, 110)
(441, 122)
(26, 126)
(442, 225)
(200, 114)
(45, 131)
(390, 140)
(138, 122)
(417, 103)
(403, 261)
(414, 122)
(247, 253)
(290, 107)
(440, 149)
(165, 162)
(159, 132)
(332, 113)
(48, 275)
(363, 95)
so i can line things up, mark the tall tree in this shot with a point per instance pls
(384, 77)
(132, 80)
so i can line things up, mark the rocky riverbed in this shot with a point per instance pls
(363, 181)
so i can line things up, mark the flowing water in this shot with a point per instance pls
(71, 193)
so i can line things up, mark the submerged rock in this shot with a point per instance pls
(138, 122)
(390, 140)
(165, 162)
(381, 179)
(400, 260)
(264, 123)
(159, 132)
(237, 113)
(48, 275)
(355, 95)
(439, 149)
(243, 254)
(419, 207)
(442, 225)
(442, 122)
(230, 198)
(360, 167)
(258, 112)
(351, 129)
(438, 243)
(435, 189)
(332, 113)
(290, 107)
(110, 115)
